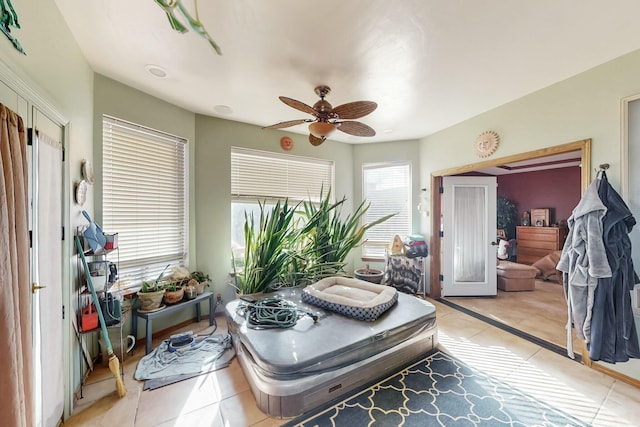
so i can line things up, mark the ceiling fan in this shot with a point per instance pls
(328, 119)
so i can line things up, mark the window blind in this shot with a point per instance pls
(387, 188)
(260, 175)
(144, 198)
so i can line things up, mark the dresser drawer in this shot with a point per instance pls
(534, 243)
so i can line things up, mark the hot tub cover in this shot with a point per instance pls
(351, 297)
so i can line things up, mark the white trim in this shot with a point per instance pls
(624, 144)
(32, 92)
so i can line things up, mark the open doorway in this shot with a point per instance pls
(504, 308)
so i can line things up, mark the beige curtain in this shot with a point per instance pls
(16, 366)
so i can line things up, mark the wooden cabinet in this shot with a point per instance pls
(534, 243)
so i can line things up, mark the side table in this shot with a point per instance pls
(149, 316)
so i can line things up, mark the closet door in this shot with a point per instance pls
(46, 137)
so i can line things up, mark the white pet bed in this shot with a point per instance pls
(351, 297)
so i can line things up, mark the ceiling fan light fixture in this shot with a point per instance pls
(322, 129)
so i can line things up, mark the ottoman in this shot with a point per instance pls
(516, 277)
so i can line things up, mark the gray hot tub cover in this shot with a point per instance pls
(351, 297)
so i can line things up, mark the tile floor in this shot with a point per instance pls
(223, 398)
(542, 313)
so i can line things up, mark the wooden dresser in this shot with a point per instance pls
(535, 242)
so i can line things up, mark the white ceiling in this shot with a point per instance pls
(428, 64)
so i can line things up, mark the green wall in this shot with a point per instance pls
(585, 106)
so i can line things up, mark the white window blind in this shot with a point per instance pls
(259, 175)
(387, 187)
(144, 198)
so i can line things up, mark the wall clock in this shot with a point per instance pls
(286, 143)
(486, 143)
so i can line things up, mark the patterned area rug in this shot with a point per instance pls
(438, 390)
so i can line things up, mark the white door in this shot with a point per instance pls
(47, 258)
(45, 173)
(469, 236)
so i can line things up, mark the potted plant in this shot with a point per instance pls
(267, 245)
(173, 292)
(281, 250)
(506, 215)
(202, 279)
(328, 236)
(151, 294)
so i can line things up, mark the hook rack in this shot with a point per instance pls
(604, 166)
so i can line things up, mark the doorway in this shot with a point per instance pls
(503, 311)
(584, 146)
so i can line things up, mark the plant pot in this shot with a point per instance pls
(150, 300)
(173, 297)
(372, 275)
(190, 292)
(200, 287)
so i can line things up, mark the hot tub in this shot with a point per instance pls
(296, 369)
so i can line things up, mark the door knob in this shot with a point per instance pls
(35, 287)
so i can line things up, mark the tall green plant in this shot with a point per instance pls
(267, 248)
(328, 236)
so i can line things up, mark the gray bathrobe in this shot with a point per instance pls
(582, 262)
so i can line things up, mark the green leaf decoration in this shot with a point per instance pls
(9, 18)
(170, 7)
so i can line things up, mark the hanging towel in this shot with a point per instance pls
(613, 329)
(583, 261)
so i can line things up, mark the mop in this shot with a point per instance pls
(114, 363)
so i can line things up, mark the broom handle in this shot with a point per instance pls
(94, 296)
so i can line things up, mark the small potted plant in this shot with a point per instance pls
(150, 296)
(202, 279)
(173, 292)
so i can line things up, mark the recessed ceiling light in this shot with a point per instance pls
(156, 70)
(223, 109)
(387, 130)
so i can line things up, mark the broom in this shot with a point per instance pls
(114, 363)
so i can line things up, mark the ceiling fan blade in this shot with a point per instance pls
(298, 105)
(356, 128)
(287, 124)
(315, 141)
(355, 110)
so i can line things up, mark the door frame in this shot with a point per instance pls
(584, 145)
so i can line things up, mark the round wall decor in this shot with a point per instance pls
(486, 143)
(81, 192)
(286, 143)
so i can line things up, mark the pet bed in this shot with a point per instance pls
(351, 297)
(296, 369)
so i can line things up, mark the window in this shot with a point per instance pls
(387, 188)
(144, 198)
(260, 175)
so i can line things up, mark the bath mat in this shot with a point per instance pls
(162, 367)
(438, 390)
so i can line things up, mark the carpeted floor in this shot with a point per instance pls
(438, 390)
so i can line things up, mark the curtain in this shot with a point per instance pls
(16, 366)
(469, 238)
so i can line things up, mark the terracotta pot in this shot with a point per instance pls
(173, 297)
(150, 300)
